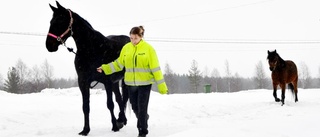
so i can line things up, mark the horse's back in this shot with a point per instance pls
(291, 70)
(112, 47)
(287, 74)
(121, 39)
(291, 66)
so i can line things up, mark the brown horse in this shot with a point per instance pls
(283, 72)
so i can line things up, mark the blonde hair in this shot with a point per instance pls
(139, 30)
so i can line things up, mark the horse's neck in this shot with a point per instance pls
(81, 33)
(85, 37)
(282, 63)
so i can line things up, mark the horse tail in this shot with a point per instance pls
(291, 87)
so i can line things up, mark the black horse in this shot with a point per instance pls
(93, 49)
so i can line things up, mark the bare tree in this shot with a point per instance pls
(194, 76)
(205, 72)
(318, 82)
(37, 79)
(23, 72)
(215, 75)
(304, 75)
(170, 80)
(1, 82)
(260, 78)
(206, 77)
(47, 71)
(236, 83)
(228, 75)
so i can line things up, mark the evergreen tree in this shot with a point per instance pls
(194, 76)
(12, 83)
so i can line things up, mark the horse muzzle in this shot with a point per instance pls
(272, 68)
(52, 45)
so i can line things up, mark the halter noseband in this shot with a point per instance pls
(59, 38)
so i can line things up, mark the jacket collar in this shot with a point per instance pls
(140, 43)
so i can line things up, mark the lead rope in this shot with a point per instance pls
(64, 44)
(69, 48)
(94, 85)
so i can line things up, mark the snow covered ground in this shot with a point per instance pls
(57, 112)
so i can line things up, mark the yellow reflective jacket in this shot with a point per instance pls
(141, 64)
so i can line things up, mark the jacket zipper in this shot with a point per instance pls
(134, 64)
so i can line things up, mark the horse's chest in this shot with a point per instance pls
(83, 63)
(278, 76)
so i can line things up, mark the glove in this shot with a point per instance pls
(162, 88)
(163, 92)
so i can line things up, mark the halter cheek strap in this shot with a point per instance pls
(59, 38)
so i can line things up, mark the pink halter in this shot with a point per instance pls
(59, 38)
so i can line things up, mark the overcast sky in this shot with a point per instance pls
(208, 31)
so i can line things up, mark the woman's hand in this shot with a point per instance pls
(99, 70)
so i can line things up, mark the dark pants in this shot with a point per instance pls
(139, 99)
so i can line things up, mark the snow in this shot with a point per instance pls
(57, 112)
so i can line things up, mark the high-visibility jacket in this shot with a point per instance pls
(141, 64)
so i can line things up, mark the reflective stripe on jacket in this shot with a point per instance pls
(141, 64)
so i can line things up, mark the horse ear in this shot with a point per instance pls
(275, 51)
(53, 8)
(268, 52)
(59, 6)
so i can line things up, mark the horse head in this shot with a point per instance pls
(60, 27)
(273, 58)
(275, 61)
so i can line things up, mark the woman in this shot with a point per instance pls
(142, 69)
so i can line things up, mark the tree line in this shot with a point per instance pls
(198, 81)
(21, 79)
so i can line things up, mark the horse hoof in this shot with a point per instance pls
(84, 133)
(115, 129)
(120, 125)
(278, 100)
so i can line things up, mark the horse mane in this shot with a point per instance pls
(98, 36)
(282, 62)
(83, 20)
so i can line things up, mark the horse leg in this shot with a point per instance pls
(85, 107)
(283, 90)
(295, 85)
(110, 105)
(275, 93)
(122, 120)
(125, 94)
